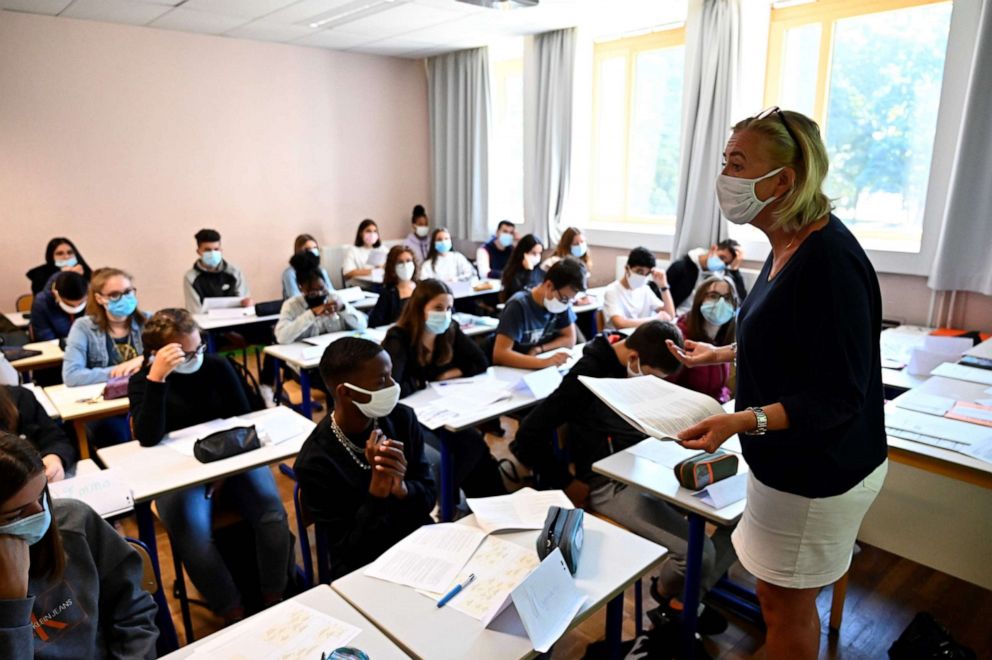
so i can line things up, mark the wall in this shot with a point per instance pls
(130, 139)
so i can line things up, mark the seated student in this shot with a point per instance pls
(540, 320)
(418, 240)
(212, 276)
(179, 386)
(711, 319)
(21, 414)
(357, 258)
(315, 311)
(443, 263)
(629, 302)
(685, 274)
(303, 243)
(491, 257)
(398, 283)
(521, 270)
(362, 472)
(56, 308)
(70, 585)
(571, 244)
(60, 255)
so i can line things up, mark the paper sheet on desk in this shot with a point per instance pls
(724, 493)
(547, 601)
(221, 302)
(102, 490)
(961, 372)
(471, 393)
(231, 313)
(668, 454)
(525, 509)
(430, 558)
(273, 425)
(290, 630)
(924, 403)
(541, 383)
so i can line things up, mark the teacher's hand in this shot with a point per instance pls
(696, 353)
(710, 433)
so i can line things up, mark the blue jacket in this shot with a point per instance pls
(48, 320)
(90, 353)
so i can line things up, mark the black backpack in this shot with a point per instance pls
(250, 384)
(925, 639)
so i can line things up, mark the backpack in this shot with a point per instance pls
(925, 639)
(250, 385)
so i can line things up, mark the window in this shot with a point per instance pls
(870, 73)
(637, 115)
(506, 179)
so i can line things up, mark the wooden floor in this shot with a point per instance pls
(884, 594)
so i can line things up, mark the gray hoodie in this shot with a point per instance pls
(97, 610)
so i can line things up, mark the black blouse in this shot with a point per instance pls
(413, 376)
(387, 308)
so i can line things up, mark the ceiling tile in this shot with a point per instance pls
(188, 20)
(50, 7)
(333, 39)
(392, 47)
(265, 31)
(304, 9)
(115, 11)
(248, 8)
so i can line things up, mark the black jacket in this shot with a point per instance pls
(35, 425)
(412, 376)
(361, 527)
(387, 308)
(684, 273)
(594, 431)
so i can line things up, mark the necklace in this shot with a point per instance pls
(357, 453)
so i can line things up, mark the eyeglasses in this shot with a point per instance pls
(189, 356)
(117, 295)
(713, 296)
(562, 298)
(775, 110)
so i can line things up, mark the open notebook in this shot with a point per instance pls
(655, 407)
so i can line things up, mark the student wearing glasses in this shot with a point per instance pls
(179, 386)
(212, 276)
(398, 283)
(722, 258)
(540, 320)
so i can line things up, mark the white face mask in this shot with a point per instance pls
(634, 374)
(739, 203)
(421, 231)
(404, 271)
(72, 310)
(382, 402)
(531, 260)
(636, 280)
(555, 306)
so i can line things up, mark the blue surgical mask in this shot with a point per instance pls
(315, 252)
(66, 263)
(438, 322)
(442, 246)
(506, 240)
(124, 307)
(715, 264)
(192, 366)
(579, 251)
(211, 258)
(32, 528)
(718, 312)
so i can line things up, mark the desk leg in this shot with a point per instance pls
(146, 533)
(693, 577)
(81, 438)
(306, 407)
(614, 626)
(447, 479)
(211, 342)
(590, 325)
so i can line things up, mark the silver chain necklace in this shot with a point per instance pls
(357, 453)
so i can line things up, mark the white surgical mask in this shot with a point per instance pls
(634, 374)
(32, 528)
(531, 260)
(191, 366)
(737, 199)
(421, 231)
(404, 271)
(636, 280)
(72, 310)
(382, 402)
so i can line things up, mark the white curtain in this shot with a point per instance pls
(458, 104)
(962, 262)
(548, 80)
(713, 53)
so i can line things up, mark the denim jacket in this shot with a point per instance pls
(90, 353)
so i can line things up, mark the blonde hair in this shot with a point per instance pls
(805, 154)
(95, 309)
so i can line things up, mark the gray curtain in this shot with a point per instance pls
(712, 51)
(548, 132)
(459, 105)
(962, 262)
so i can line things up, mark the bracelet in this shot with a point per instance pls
(761, 419)
(664, 288)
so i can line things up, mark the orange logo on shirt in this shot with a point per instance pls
(39, 626)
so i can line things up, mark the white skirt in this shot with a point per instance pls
(800, 543)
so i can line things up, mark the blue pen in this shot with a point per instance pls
(454, 592)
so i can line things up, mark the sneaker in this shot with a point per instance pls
(709, 621)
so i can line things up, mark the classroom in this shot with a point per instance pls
(570, 329)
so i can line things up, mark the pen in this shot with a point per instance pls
(454, 592)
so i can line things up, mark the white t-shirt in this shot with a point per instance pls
(639, 303)
(686, 305)
(451, 267)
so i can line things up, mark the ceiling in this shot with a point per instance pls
(399, 28)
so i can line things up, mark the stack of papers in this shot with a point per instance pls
(934, 352)
(955, 435)
(105, 494)
(463, 399)
(668, 454)
(961, 372)
(350, 294)
(525, 509)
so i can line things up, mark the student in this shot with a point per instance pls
(362, 471)
(315, 311)
(629, 302)
(70, 585)
(177, 387)
(357, 258)
(21, 414)
(60, 255)
(540, 320)
(571, 244)
(521, 270)
(56, 308)
(398, 283)
(685, 274)
(491, 257)
(418, 240)
(711, 319)
(212, 276)
(443, 263)
(303, 243)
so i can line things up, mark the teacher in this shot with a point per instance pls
(809, 384)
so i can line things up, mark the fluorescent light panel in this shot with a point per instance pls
(350, 12)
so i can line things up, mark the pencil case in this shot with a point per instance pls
(562, 530)
(116, 388)
(699, 471)
(227, 443)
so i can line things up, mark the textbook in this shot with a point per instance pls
(653, 406)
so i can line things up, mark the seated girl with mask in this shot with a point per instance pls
(70, 585)
(316, 310)
(398, 283)
(303, 243)
(522, 268)
(362, 471)
(179, 386)
(442, 263)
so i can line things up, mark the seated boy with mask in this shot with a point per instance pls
(362, 471)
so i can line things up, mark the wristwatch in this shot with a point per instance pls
(762, 420)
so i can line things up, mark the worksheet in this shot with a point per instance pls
(430, 558)
(668, 454)
(547, 601)
(102, 490)
(525, 509)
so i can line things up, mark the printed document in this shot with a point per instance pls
(430, 558)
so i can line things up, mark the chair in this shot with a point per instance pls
(151, 581)
(600, 322)
(24, 302)
(303, 522)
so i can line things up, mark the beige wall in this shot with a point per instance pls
(129, 139)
